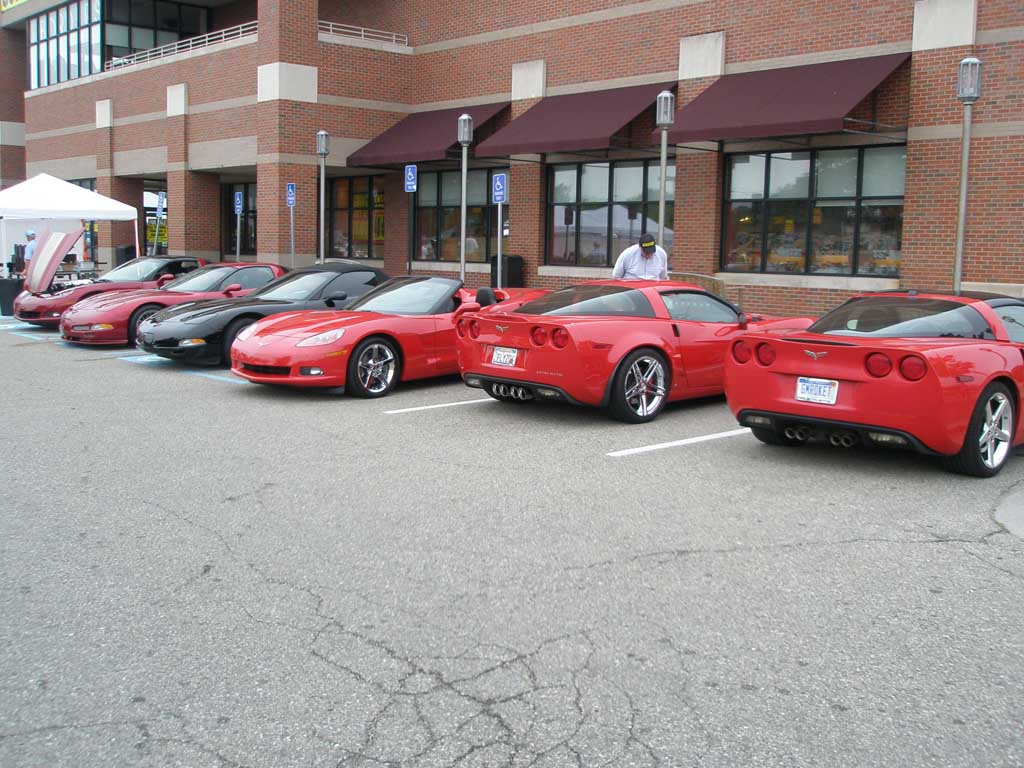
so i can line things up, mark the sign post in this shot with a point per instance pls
(499, 195)
(161, 201)
(411, 182)
(238, 226)
(289, 197)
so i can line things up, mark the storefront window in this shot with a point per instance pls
(827, 212)
(596, 210)
(138, 25)
(248, 219)
(439, 217)
(357, 218)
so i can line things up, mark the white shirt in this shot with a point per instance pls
(631, 265)
(30, 249)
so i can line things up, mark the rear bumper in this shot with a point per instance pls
(539, 391)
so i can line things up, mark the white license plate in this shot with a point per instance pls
(817, 390)
(504, 356)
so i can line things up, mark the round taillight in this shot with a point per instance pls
(741, 351)
(560, 338)
(474, 329)
(539, 336)
(878, 365)
(913, 368)
(460, 327)
(765, 354)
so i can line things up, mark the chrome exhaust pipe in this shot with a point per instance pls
(834, 439)
(790, 433)
(802, 434)
(848, 440)
(501, 389)
(524, 393)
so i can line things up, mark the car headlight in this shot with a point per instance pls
(327, 337)
(191, 342)
(246, 332)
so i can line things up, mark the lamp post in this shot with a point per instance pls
(465, 139)
(968, 91)
(323, 148)
(665, 115)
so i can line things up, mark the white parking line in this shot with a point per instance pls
(441, 405)
(678, 443)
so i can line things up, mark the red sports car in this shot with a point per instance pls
(400, 331)
(940, 374)
(46, 307)
(115, 318)
(630, 346)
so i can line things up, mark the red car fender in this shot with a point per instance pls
(414, 358)
(639, 339)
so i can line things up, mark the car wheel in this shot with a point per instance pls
(989, 439)
(640, 388)
(374, 368)
(771, 437)
(234, 328)
(140, 314)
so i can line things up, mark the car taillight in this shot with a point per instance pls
(460, 327)
(913, 368)
(765, 354)
(560, 338)
(474, 329)
(539, 336)
(878, 365)
(741, 352)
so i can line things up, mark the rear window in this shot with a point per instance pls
(904, 317)
(591, 300)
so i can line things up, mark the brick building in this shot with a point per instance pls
(815, 150)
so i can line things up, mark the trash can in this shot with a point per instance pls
(9, 290)
(512, 271)
(123, 253)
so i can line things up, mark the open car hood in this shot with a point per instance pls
(47, 259)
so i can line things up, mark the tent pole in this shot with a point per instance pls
(138, 253)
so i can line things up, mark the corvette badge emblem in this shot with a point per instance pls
(815, 355)
(501, 328)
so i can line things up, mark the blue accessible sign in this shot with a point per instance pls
(499, 188)
(238, 202)
(161, 203)
(289, 195)
(410, 178)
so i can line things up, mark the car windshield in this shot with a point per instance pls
(591, 300)
(410, 296)
(136, 270)
(904, 317)
(296, 287)
(205, 279)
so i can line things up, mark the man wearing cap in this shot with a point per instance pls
(30, 247)
(644, 261)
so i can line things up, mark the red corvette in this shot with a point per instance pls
(400, 331)
(626, 345)
(115, 318)
(46, 307)
(940, 374)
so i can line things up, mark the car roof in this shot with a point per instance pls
(340, 265)
(965, 297)
(656, 284)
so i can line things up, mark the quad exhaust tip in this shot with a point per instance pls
(519, 393)
(843, 439)
(797, 433)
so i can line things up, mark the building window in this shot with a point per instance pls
(248, 219)
(597, 210)
(89, 247)
(438, 217)
(138, 25)
(64, 43)
(832, 212)
(357, 218)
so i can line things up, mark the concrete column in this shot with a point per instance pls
(12, 107)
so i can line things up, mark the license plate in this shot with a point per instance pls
(504, 356)
(817, 390)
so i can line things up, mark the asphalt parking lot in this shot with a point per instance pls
(197, 571)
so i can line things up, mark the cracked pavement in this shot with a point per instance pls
(196, 573)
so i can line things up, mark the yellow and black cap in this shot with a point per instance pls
(647, 243)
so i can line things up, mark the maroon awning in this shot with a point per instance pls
(422, 136)
(572, 122)
(791, 101)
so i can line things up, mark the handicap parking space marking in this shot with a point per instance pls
(679, 443)
(33, 336)
(18, 327)
(441, 405)
(217, 377)
(146, 359)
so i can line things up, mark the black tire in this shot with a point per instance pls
(363, 383)
(624, 408)
(136, 319)
(228, 338)
(987, 460)
(771, 437)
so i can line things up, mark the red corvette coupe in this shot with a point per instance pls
(400, 331)
(626, 345)
(46, 307)
(114, 319)
(940, 374)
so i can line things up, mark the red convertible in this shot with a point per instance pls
(628, 346)
(115, 318)
(936, 373)
(400, 331)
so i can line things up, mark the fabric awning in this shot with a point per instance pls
(47, 197)
(572, 122)
(422, 136)
(791, 101)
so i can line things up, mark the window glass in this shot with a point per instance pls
(562, 235)
(205, 279)
(118, 35)
(83, 50)
(252, 277)
(340, 238)
(476, 188)
(44, 66)
(73, 16)
(833, 223)
(884, 171)
(427, 189)
(353, 283)
(378, 228)
(593, 226)
(652, 224)
(451, 189)
(53, 61)
(118, 10)
(32, 37)
(136, 270)
(297, 286)
(408, 296)
(746, 177)
(62, 19)
(96, 65)
(836, 173)
(73, 55)
(426, 232)
(903, 317)
(167, 16)
(594, 184)
(628, 182)
(52, 16)
(743, 236)
(143, 13)
(628, 223)
(166, 38)
(62, 55)
(654, 179)
(591, 300)
(698, 307)
(493, 240)
(564, 184)
(360, 235)
(33, 67)
(1013, 321)
(361, 192)
(881, 238)
(787, 237)
(193, 21)
(143, 39)
(341, 193)
(95, 15)
(789, 174)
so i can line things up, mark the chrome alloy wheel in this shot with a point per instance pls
(645, 385)
(376, 368)
(996, 436)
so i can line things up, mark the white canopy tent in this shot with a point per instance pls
(47, 197)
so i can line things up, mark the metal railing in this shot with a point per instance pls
(184, 46)
(362, 33)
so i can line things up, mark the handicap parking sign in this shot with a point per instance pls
(289, 195)
(499, 188)
(410, 178)
(238, 202)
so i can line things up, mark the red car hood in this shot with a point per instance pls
(46, 261)
(112, 299)
(298, 325)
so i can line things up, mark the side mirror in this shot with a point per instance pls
(466, 306)
(336, 298)
(232, 289)
(742, 320)
(163, 280)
